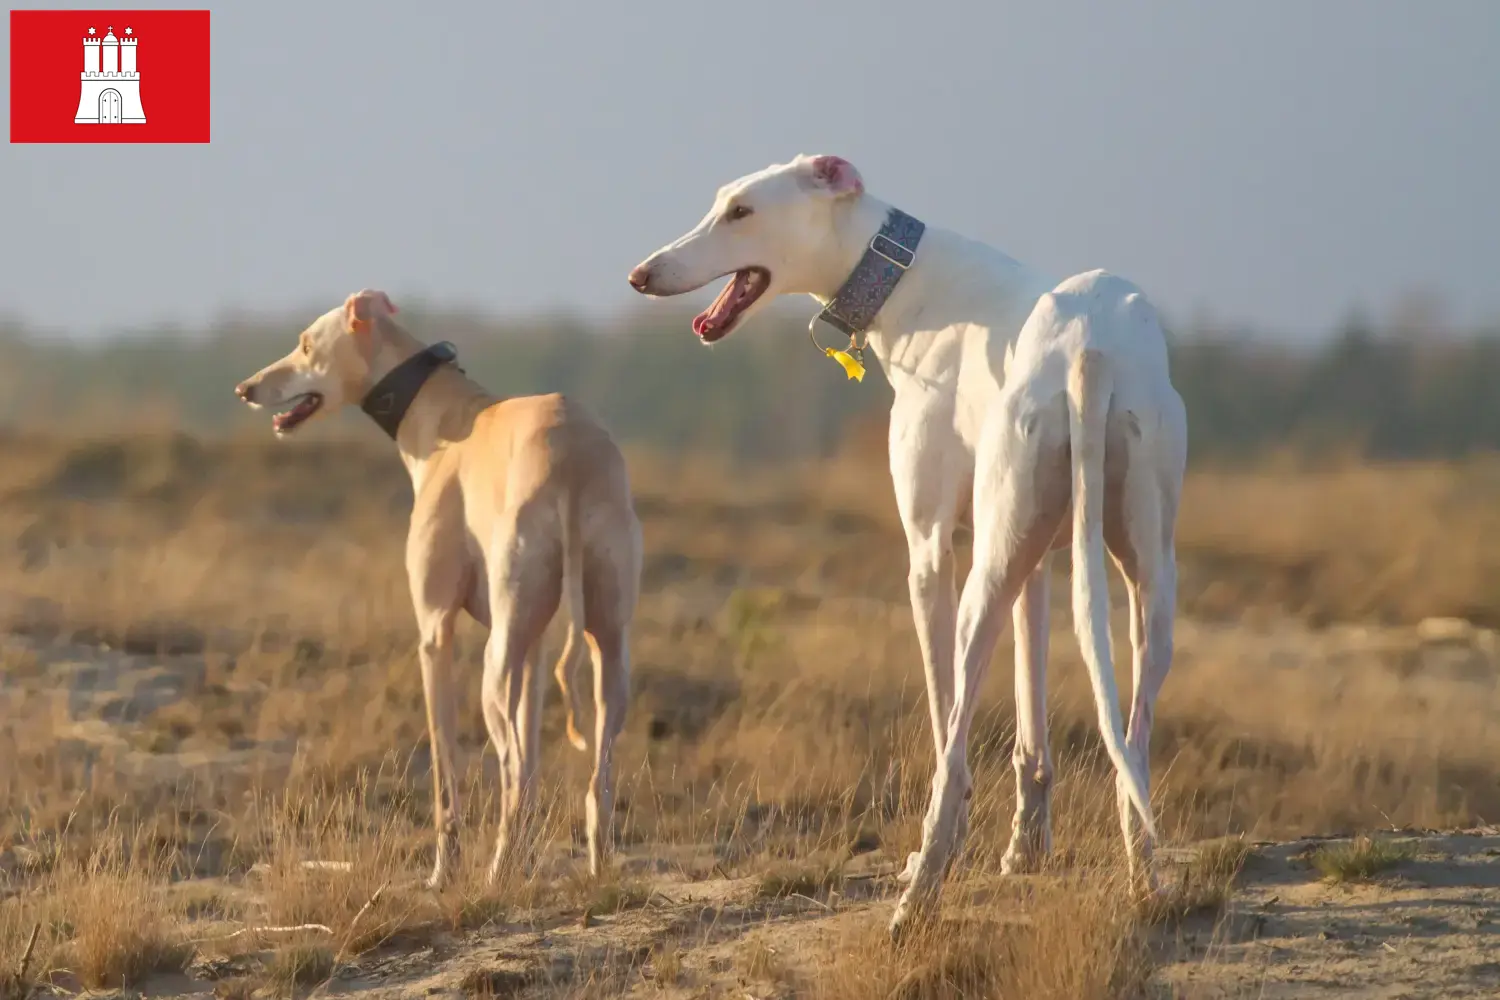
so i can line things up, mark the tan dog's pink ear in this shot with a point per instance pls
(358, 308)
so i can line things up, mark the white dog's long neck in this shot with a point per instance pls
(978, 287)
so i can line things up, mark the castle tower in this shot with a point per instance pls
(111, 85)
(127, 54)
(111, 52)
(91, 53)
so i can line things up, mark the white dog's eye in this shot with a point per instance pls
(738, 212)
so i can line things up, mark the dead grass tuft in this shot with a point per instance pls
(613, 895)
(791, 879)
(475, 908)
(495, 984)
(238, 988)
(759, 962)
(1086, 948)
(300, 964)
(665, 966)
(1361, 858)
(124, 925)
(1206, 883)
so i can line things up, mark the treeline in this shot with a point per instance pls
(765, 394)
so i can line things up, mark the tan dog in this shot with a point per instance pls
(517, 502)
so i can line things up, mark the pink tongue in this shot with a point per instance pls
(293, 415)
(710, 318)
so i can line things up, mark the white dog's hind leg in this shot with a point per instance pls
(1031, 829)
(1140, 532)
(1151, 608)
(1148, 560)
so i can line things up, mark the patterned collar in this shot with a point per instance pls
(874, 278)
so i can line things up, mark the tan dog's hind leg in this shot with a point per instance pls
(564, 671)
(524, 583)
(512, 714)
(611, 696)
(572, 654)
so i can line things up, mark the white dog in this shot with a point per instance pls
(1030, 398)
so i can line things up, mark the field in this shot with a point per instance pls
(215, 765)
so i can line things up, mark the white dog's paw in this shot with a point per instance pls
(1020, 861)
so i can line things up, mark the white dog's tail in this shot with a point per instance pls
(1090, 385)
(572, 595)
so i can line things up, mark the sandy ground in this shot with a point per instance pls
(1427, 928)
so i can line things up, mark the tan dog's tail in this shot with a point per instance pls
(573, 647)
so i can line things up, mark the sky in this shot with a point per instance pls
(1274, 164)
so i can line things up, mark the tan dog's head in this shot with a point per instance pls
(329, 368)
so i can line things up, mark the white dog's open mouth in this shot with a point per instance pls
(302, 407)
(743, 289)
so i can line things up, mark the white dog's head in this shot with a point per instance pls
(330, 367)
(773, 230)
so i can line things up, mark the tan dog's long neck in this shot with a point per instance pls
(442, 411)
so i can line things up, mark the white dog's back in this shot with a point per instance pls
(1093, 310)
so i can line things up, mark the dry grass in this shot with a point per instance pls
(301, 965)
(265, 711)
(1360, 858)
(1074, 940)
(800, 879)
(104, 918)
(1205, 884)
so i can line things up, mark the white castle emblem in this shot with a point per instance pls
(111, 92)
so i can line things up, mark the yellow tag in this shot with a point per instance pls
(855, 370)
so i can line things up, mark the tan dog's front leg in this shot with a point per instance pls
(436, 653)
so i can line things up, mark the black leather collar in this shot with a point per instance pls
(392, 396)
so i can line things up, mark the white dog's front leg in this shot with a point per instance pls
(933, 608)
(988, 594)
(931, 585)
(928, 466)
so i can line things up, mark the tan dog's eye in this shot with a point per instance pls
(738, 212)
(306, 347)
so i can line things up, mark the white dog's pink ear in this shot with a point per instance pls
(835, 175)
(359, 308)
